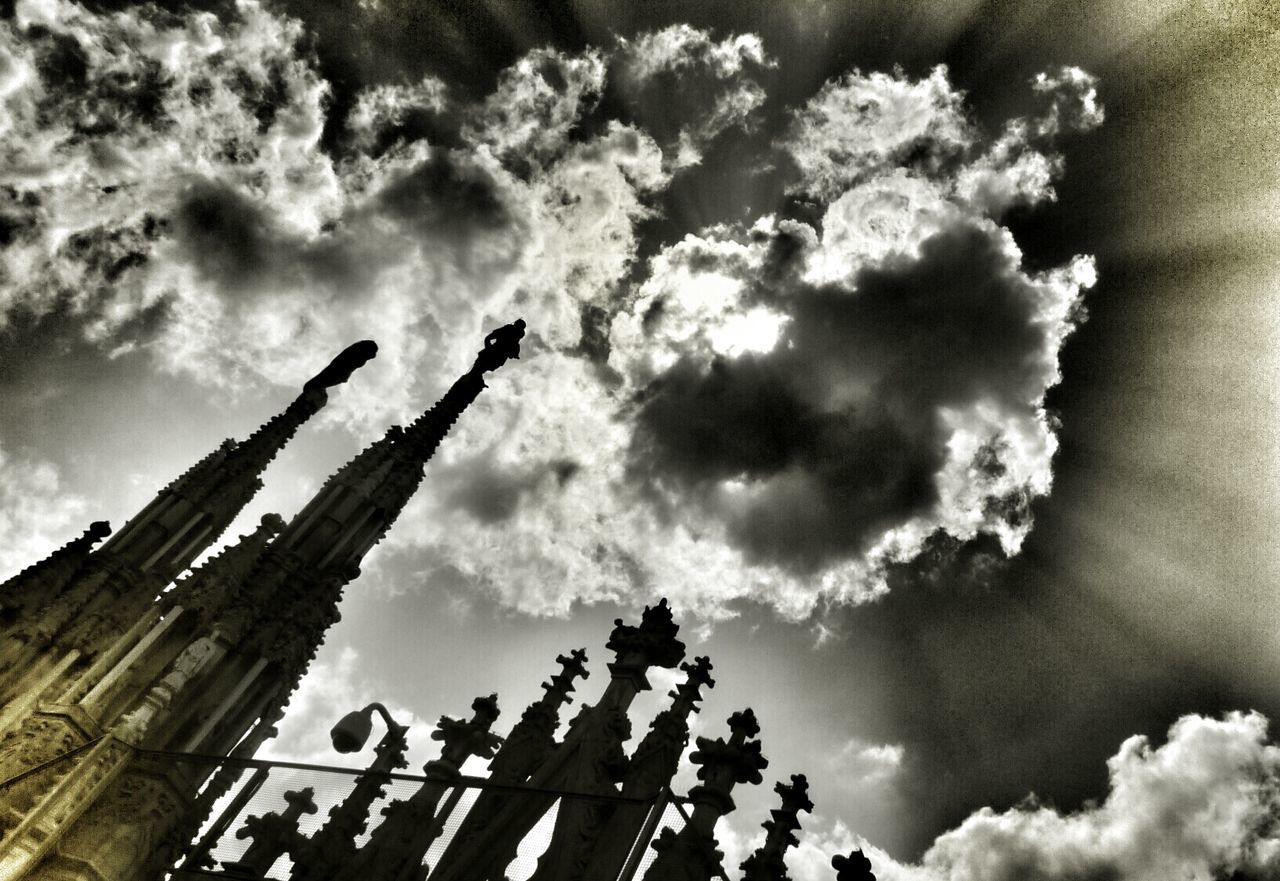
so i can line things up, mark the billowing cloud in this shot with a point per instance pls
(862, 124)
(690, 88)
(773, 410)
(1203, 805)
(37, 514)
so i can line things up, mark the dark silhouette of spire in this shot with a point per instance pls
(42, 581)
(396, 849)
(649, 772)
(768, 862)
(691, 854)
(192, 512)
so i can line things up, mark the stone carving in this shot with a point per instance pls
(273, 835)
(339, 370)
(854, 867)
(691, 854)
(768, 863)
(500, 345)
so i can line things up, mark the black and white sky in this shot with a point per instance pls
(922, 354)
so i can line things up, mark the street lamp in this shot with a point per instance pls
(350, 734)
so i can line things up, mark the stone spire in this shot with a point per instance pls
(356, 506)
(192, 512)
(40, 582)
(768, 863)
(526, 747)
(691, 854)
(119, 582)
(533, 738)
(650, 770)
(210, 591)
(590, 761)
(854, 867)
(396, 849)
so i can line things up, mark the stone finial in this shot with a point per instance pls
(768, 862)
(738, 760)
(743, 724)
(698, 676)
(533, 737)
(561, 684)
(98, 530)
(500, 345)
(273, 834)
(339, 370)
(854, 867)
(464, 739)
(654, 640)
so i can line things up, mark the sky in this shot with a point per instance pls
(922, 355)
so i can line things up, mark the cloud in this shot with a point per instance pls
(908, 400)
(691, 88)
(1202, 805)
(859, 762)
(538, 101)
(861, 124)
(37, 513)
(775, 410)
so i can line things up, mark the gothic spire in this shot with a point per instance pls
(358, 504)
(211, 589)
(40, 582)
(192, 512)
(768, 862)
(691, 854)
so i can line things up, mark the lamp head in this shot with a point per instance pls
(350, 734)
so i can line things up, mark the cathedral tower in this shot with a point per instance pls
(206, 668)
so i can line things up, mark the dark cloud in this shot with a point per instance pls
(229, 238)
(445, 196)
(836, 432)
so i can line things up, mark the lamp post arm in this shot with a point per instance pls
(392, 725)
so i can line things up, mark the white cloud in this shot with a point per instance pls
(1201, 806)
(707, 86)
(536, 103)
(859, 762)
(180, 202)
(861, 124)
(37, 513)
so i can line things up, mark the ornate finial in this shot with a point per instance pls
(340, 368)
(768, 862)
(698, 676)
(739, 759)
(273, 834)
(500, 345)
(561, 684)
(743, 724)
(795, 797)
(462, 739)
(655, 638)
(271, 522)
(98, 529)
(854, 867)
